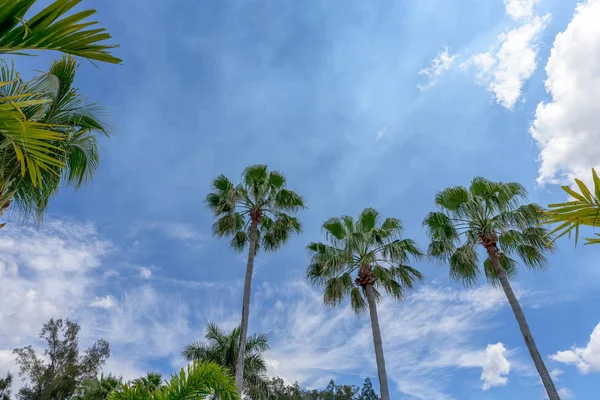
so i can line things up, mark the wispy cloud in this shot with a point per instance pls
(507, 64)
(440, 64)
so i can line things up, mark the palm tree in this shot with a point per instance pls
(96, 388)
(583, 210)
(222, 348)
(490, 214)
(72, 123)
(197, 381)
(28, 148)
(254, 214)
(372, 249)
(151, 382)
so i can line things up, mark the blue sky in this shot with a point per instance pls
(366, 104)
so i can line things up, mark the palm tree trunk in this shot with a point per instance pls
(378, 343)
(523, 325)
(239, 365)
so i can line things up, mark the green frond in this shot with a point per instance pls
(228, 225)
(257, 343)
(335, 228)
(508, 264)
(406, 275)
(401, 251)
(452, 198)
(357, 301)
(287, 200)
(385, 280)
(336, 289)
(464, 265)
(367, 220)
(583, 211)
(531, 256)
(277, 233)
(51, 29)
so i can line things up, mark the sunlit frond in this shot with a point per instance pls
(51, 29)
(464, 265)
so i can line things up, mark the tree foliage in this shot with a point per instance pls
(370, 245)
(5, 384)
(222, 349)
(51, 29)
(486, 213)
(32, 167)
(367, 392)
(199, 380)
(61, 369)
(584, 210)
(261, 197)
(97, 388)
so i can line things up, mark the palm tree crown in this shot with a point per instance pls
(31, 167)
(488, 214)
(222, 349)
(372, 249)
(261, 199)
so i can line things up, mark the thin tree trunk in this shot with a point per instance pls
(239, 365)
(378, 343)
(523, 325)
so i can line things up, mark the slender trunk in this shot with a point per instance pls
(525, 331)
(378, 343)
(239, 365)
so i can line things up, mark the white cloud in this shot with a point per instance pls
(565, 393)
(495, 367)
(505, 68)
(520, 9)
(587, 359)
(105, 302)
(179, 231)
(441, 63)
(57, 272)
(567, 128)
(145, 273)
(555, 373)
(435, 329)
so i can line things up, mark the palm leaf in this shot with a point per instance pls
(51, 29)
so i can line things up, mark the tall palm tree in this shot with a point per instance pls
(152, 381)
(197, 381)
(490, 215)
(372, 249)
(584, 209)
(73, 122)
(222, 348)
(255, 214)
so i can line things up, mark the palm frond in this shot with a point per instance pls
(51, 29)
(464, 265)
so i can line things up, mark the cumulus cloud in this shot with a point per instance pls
(105, 302)
(567, 128)
(512, 60)
(441, 63)
(520, 9)
(587, 359)
(495, 367)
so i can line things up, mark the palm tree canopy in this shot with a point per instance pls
(371, 243)
(197, 381)
(262, 197)
(222, 349)
(584, 209)
(486, 213)
(49, 29)
(65, 148)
